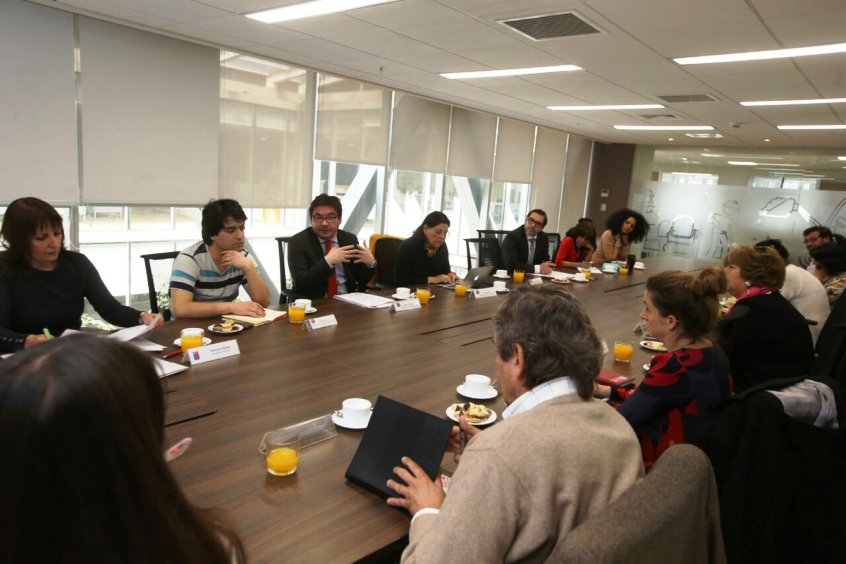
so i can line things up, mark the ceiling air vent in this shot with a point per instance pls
(551, 26)
(659, 116)
(681, 98)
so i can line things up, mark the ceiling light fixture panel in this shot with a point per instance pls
(794, 102)
(810, 127)
(664, 127)
(311, 9)
(764, 55)
(510, 72)
(605, 107)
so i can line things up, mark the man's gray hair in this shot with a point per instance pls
(555, 333)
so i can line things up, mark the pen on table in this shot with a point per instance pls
(177, 450)
(47, 333)
(172, 353)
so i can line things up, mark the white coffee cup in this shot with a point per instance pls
(304, 303)
(476, 384)
(502, 273)
(499, 285)
(355, 410)
(404, 293)
(580, 277)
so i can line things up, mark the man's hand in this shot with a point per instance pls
(547, 266)
(362, 254)
(455, 443)
(601, 391)
(33, 340)
(147, 317)
(419, 493)
(236, 259)
(338, 255)
(251, 309)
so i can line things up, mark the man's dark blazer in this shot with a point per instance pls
(515, 250)
(310, 270)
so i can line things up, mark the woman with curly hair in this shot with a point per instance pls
(623, 228)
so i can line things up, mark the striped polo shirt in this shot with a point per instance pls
(194, 271)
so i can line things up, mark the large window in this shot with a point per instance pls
(411, 195)
(359, 187)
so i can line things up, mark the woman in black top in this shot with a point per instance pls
(423, 258)
(43, 285)
(763, 334)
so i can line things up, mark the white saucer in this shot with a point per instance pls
(178, 342)
(487, 421)
(582, 281)
(398, 297)
(338, 420)
(500, 277)
(490, 394)
(311, 310)
(503, 291)
(236, 328)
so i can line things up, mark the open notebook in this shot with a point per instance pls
(269, 315)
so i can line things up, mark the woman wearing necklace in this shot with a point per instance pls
(764, 336)
(423, 258)
(680, 309)
(830, 269)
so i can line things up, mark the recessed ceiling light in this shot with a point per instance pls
(786, 127)
(310, 9)
(670, 139)
(742, 163)
(763, 55)
(794, 102)
(704, 135)
(841, 158)
(711, 155)
(606, 107)
(766, 140)
(510, 72)
(664, 127)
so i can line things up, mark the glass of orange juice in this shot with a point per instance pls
(296, 312)
(423, 294)
(518, 275)
(623, 351)
(623, 271)
(460, 289)
(282, 452)
(190, 338)
(586, 272)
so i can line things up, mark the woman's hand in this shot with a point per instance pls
(447, 278)
(147, 318)
(33, 340)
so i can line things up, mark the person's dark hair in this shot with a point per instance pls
(585, 220)
(581, 230)
(616, 220)
(832, 258)
(761, 266)
(539, 212)
(326, 200)
(692, 298)
(82, 427)
(777, 245)
(564, 343)
(838, 239)
(434, 218)
(215, 214)
(822, 231)
(23, 218)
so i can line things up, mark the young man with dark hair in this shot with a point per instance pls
(324, 260)
(814, 237)
(207, 276)
(527, 247)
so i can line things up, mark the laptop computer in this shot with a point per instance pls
(475, 278)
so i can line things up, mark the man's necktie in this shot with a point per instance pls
(332, 281)
(531, 251)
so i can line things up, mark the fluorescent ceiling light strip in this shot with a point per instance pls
(742, 163)
(510, 72)
(606, 107)
(764, 55)
(664, 127)
(794, 102)
(841, 158)
(810, 127)
(311, 9)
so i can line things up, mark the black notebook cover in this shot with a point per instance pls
(396, 430)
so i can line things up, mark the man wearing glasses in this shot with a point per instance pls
(815, 237)
(326, 261)
(208, 275)
(527, 247)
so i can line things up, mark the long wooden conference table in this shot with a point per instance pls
(285, 375)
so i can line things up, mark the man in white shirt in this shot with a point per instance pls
(558, 458)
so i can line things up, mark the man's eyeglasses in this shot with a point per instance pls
(317, 218)
(533, 221)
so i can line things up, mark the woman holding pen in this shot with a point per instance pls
(43, 285)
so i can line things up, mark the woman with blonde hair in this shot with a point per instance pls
(680, 309)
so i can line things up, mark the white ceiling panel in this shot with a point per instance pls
(512, 57)
(689, 42)
(459, 34)
(399, 14)
(323, 50)
(245, 28)
(810, 29)
(121, 13)
(789, 8)
(180, 10)
(651, 15)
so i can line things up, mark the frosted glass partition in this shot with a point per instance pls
(704, 221)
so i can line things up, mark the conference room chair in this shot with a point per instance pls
(384, 248)
(151, 285)
(285, 293)
(781, 472)
(485, 250)
(670, 516)
(497, 234)
(830, 351)
(554, 241)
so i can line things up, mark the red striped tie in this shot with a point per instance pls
(332, 281)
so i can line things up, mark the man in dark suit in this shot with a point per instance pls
(324, 260)
(527, 247)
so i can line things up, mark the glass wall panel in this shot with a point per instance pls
(411, 196)
(359, 186)
(465, 203)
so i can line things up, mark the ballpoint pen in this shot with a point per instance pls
(47, 333)
(172, 353)
(177, 450)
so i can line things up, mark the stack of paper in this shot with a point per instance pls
(269, 315)
(365, 300)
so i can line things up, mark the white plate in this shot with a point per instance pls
(489, 394)
(560, 280)
(487, 421)
(338, 420)
(311, 310)
(639, 266)
(503, 291)
(398, 297)
(500, 277)
(653, 346)
(580, 281)
(236, 328)
(178, 342)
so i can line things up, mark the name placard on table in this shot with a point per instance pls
(320, 322)
(405, 305)
(214, 351)
(484, 293)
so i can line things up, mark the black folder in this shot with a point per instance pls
(396, 430)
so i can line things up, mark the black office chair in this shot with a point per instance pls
(497, 234)
(831, 345)
(554, 241)
(385, 253)
(286, 294)
(486, 252)
(151, 286)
